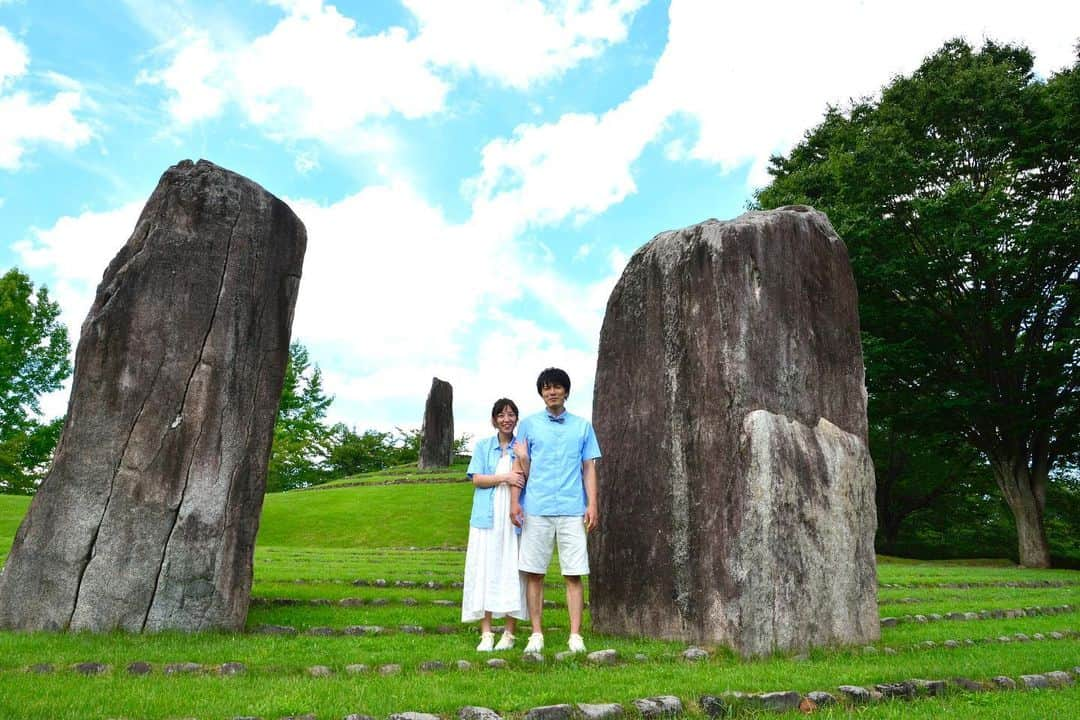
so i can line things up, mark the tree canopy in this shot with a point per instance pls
(956, 193)
(33, 361)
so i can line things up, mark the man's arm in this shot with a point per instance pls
(592, 494)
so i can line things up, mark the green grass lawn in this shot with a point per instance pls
(313, 545)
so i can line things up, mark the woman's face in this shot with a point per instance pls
(505, 421)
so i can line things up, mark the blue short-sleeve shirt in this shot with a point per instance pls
(557, 447)
(485, 457)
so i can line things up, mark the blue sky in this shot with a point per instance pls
(473, 174)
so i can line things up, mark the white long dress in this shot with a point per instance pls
(492, 581)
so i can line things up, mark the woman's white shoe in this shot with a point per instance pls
(505, 642)
(487, 642)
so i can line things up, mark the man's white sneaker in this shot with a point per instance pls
(576, 644)
(487, 642)
(536, 643)
(505, 642)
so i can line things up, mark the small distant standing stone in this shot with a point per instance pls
(463, 665)
(641, 657)
(967, 684)
(550, 712)
(275, 630)
(432, 665)
(1004, 682)
(139, 668)
(437, 433)
(659, 706)
(603, 657)
(357, 669)
(532, 657)
(362, 630)
(694, 654)
(412, 629)
(413, 716)
(42, 668)
(389, 669)
(358, 716)
(319, 671)
(321, 631)
(1034, 681)
(603, 711)
(496, 663)
(473, 712)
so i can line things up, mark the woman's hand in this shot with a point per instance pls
(521, 450)
(513, 479)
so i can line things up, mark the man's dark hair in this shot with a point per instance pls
(553, 376)
(501, 404)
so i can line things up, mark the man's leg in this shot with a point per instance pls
(534, 596)
(575, 601)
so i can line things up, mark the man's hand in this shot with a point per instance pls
(592, 517)
(515, 513)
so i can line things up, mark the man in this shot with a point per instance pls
(557, 452)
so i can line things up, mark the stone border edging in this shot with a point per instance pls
(607, 657)
(995, 614)
(733, 702)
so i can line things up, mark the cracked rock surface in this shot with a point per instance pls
(147, 518)
(730, 405)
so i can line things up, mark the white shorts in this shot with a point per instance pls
(538, 536)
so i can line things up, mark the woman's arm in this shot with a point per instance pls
(485, 481)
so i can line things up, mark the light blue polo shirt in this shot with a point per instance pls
(557, 447)
(484, 460)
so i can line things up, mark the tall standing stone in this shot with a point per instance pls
(737, 488)
(437, 434)
(147, 518)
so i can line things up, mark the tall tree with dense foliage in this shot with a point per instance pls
(302, 441)
(956, 193)
(33, 361)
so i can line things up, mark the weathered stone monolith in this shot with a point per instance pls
(437, 433)
(147, 518)
(737, 488)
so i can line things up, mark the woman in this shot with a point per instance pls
(493, 586)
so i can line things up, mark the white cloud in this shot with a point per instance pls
(13, 57)
(519, 42)
(753, 93)
(306, 161)
(576, 167)
(194, 77)
(25, 121)
(315, 75)
(76, 251)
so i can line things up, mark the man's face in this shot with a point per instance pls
(554, 397)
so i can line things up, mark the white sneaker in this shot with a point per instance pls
(505, 642)
(576, 644)
(487, 642)
(536, 643)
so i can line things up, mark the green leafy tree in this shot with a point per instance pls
(302, 441)
(33, 360)
(353, 454)
(956, 193)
